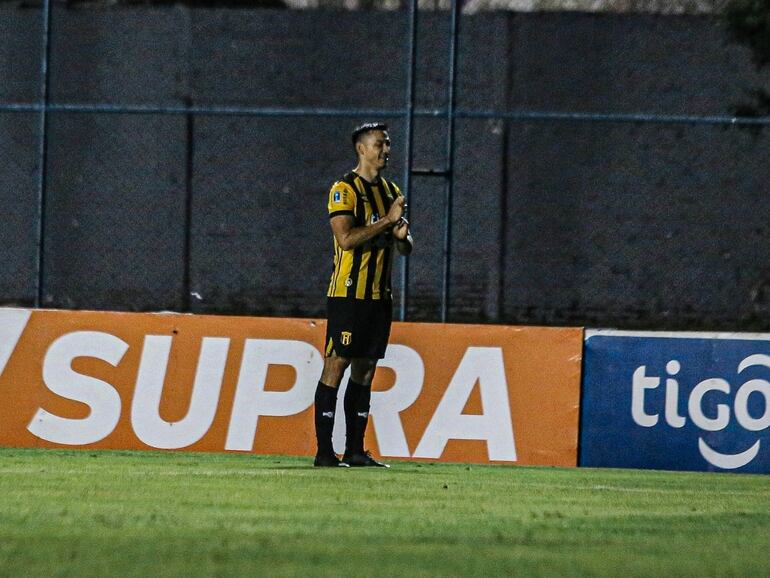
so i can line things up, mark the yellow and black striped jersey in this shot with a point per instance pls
(363, 272)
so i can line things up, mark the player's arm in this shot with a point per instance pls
(349, 236)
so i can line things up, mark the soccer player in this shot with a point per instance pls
(366, 213)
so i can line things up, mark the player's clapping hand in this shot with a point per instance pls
(401, 230)
(396, 210)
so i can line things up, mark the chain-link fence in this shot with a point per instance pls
(178, 158)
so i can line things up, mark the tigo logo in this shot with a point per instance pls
(718, 422)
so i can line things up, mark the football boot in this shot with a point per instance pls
(362, 460)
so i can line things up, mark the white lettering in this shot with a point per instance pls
(387, 405)
(12, 325)
(754, 385)
(695, 405)
(742, 405)
(145, 416)
(251, 399)
(672, 404)
(639, 383)
(672, 396)
(752, 360)
(483, 365)
(62, 380)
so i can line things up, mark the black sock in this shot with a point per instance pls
(352, 392)
(357, 401)
(325, 407)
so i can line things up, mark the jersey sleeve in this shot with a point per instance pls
(342, 200)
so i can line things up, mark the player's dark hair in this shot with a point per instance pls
(365, 128)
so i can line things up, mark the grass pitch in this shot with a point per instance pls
(79, 513)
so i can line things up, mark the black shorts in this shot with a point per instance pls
(358, 327)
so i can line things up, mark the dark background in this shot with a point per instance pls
(605, 224)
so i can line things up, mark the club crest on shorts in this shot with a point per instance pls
(346, 337)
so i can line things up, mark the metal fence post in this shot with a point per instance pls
(454, 36)
(411, 67)
(42, 153)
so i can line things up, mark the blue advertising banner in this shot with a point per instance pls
(676, 401)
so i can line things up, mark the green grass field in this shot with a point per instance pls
(75, 513)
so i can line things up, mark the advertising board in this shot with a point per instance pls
(676, 401)
(463, 393)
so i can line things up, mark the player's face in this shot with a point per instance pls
(376, 149)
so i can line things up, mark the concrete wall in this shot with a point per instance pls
(631, 225)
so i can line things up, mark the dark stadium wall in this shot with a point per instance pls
(555, 222)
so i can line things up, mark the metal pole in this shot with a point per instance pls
(42, 153)
(409, 122)
(450, 154)
(275, 112)
(189, 173)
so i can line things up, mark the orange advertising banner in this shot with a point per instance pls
(443, 392)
